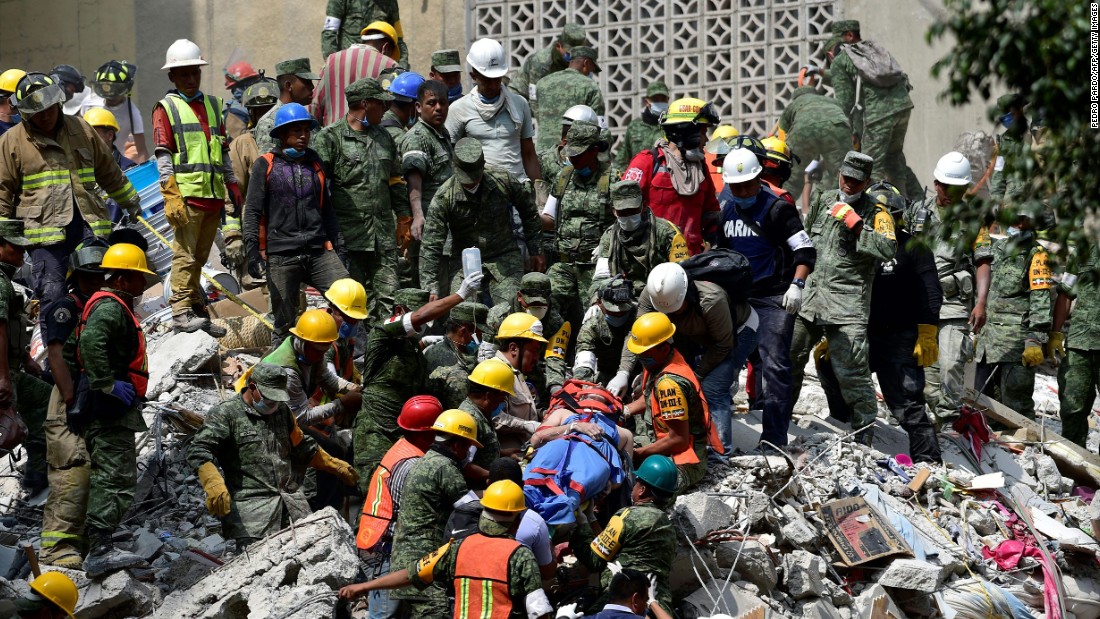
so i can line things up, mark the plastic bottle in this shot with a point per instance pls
(471, 261)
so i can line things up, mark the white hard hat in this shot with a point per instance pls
(667, 286)
(183, 53)
(740, 165)
(486, 56)
(953, 169)
(579, 112)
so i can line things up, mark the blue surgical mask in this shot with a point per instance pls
(487, 100)
(496, 411)
(454, 93)
(262, 406)
(616, 321)
(658, 107)
(584, 172)
(347, 331)
(293, 153)
(647, 362)
(16, 119)
(1006, 120)
(566, 56)
(471, 347)
(237, 93)
(744, 203)
(198, 94)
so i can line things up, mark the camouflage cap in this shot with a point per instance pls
(581, 137)
(617, 294)
(626, 195)
(411, 298)
(471, 311)
(1011, 100)
(298, 67)
(11, 230)
(469, 161)
(270, 379)
(656, 87)
(446, 61)
(583, 51)
(845, 25)
(535, 288)
(573, 34)
(366, 88)
(857, 165)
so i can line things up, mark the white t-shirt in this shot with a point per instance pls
(76, 104)
(500, 135)
(125, 132)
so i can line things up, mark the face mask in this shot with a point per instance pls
(1006, 120)
(486, 100)
(849, 197)
(471, 347)
(647, 362)
(471, 190)
(630, 223)
(659, 107)
(744, 203)
(453, 93)
(496, 411)
(617, 321)
(567, 56)
(347, 331)
(538, 311)
(584, 172)
(294, 153)
(190, 99)
(262, 406)
(237, 94)
(16, 118)
(469, 457)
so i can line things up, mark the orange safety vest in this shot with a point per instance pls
(378, 515)
(317, 168)
(678, 367)
(138, 370)
(481, 577)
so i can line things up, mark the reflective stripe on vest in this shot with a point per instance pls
(198, 159)
(101, 227)
(678, 367)
(376, 523)
(138, 370)
(481, 577)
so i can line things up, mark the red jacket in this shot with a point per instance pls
(684, 211)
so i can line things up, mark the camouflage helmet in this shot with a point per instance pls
(263, 93)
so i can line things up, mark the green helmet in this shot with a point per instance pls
(263, 93)
(659, 473)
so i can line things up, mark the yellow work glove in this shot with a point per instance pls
(1056, 347)
(1033, 354)
(927, 349)
(217, 495)
(175, 210)
(335, 466)
(821, 352)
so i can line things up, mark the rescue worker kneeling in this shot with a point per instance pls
(494, 576)
(254, 438)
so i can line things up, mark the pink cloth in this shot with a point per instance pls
(1007, 556)
(972, 424)
(341, 69)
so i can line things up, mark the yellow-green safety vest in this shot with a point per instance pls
(198, 160)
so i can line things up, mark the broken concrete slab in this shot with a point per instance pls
(682, 579)
(294, 573)
(701, 513)
(912, 574)
(116, 595)
(820, 609)
(803, 574)
(177, 353)
(147, 544)
(717, 598)
(876, 603)
(754, 563)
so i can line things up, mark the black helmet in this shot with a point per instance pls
(37, 92)
(68, 74)
(114, 79)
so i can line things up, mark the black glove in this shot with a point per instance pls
(257, 266)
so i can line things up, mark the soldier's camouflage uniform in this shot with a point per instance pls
(562, 90)
(429, 152)
(537, 66)
(353, 16)
(1079, 375)
(258, 455)
(447, 371)
(1006, 188)
(634, 254)
(486, 435)
(816, 128)
(606, 342)
(1019, 311)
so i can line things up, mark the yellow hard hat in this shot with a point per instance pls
(316, 325)
(494, 374)
(722, 132)
(349, 296)
(61, 590)
(776, 147)
(690, 110)
(457, 423)
(521, 325)
(648, 331)
(125, 257)
(10, 79)
(504, 496)
(386, 29)
(99, 117)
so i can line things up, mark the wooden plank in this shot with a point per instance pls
(918, 480)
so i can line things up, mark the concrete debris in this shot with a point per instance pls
(727, 600)
(802, 574)
(751, 560)
(912, 574)
(177, 353)
(820, 609)
(876, 603)
(701, 513)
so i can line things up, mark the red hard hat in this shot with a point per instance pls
(419, 413)
(238, 71)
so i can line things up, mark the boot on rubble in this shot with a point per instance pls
(104, 558)
(61, 555)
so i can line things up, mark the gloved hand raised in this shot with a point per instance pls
(470, 285)
(847, 215)
(619, 384)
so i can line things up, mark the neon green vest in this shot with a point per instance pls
(197, 160)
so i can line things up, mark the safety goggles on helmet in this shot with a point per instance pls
(114, 79)
(37, 92)
(751, 143)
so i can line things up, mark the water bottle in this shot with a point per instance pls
(471, 261)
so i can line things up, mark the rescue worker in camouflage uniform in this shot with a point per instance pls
(548, 60)
(451, 359)
(296, 84)
(487, 388)
(643, 132)
(426, 153)
(67, 456)
(851, 234)
(1017, 330)
(109, 349)
(492, 574)
(535, 298)
(368, 193)
(346, 19)
(578, 211)
(962, 249)
(255, 440)
(397, 121)
(1011, 150)
(561, 90)
(877, 106)
(817, 128)
(474, 208)
(446, 69)
(22, 391)
(637, 241)
(435, 482)
(640, 537)
(394, 370)
(603, 333)
(1079, 350)
(551, 160)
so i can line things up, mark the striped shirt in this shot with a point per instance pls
(340, 70)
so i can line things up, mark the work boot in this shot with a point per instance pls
(188, 322)
(61, 555)
(866, 437)
(104, 558)
(211, 328)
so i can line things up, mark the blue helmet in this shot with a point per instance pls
(289, 114)
(404, 86)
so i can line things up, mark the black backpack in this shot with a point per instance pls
(723, 267)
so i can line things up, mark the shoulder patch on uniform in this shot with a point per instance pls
(62, 315)
(679, 250)
(1039, 272)
(608, 544)
(425, 567)
(559, 343)
(633, 174)
(670, 400)
(983, 239)
(884, 223)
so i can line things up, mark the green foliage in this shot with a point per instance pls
(1039, 48)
